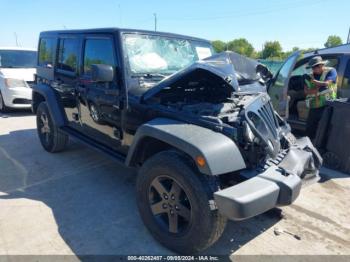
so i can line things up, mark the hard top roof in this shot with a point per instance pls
(116, 30)
(340, 49)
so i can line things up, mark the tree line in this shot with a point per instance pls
(271, 50)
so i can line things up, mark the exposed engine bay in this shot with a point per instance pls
(228, 92)
(256, 137)
(226, 111)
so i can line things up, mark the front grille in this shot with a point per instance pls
(272, 161)
(264, 123)
(267, 114)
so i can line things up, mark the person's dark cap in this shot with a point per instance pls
(316, 60)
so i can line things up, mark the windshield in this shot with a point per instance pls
(154, 54)
(17, 59)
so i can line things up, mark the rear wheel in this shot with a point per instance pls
(3, 107)
(51, 138)
(174, 204)
(95, 114)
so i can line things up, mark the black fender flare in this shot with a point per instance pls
(221, 154)
(55, 108)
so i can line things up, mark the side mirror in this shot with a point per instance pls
(102, 73)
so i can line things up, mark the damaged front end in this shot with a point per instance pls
(227, 93)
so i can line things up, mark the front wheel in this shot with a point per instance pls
(174, 204)
(51, 138)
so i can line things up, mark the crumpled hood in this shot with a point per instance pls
(230, 68)
(26, 74)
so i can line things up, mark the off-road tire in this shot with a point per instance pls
(205, 226)
(55, 140)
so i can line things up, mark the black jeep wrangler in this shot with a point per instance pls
(199, 126)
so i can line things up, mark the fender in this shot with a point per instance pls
(220, 152)
(51, 98)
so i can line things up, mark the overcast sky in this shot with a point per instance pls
(302, 23)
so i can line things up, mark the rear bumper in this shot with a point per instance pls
(278, 185)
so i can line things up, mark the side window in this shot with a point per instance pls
(68, 55)
(98, 51)
(46, 52)
(346, 79)
(302, 69)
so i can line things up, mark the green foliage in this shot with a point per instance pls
(45, 52)
(288, 53)
(71, 61)
(271, 49)
(219, 45)
(241, 46)
(333, 40)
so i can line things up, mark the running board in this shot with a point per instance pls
(94, 144)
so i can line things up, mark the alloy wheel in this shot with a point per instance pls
(44, 127)
(94, 113)
(170, 205)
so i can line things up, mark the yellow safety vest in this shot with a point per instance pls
(319, 100)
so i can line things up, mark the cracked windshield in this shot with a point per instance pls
(147, 54)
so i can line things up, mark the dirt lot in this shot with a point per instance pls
(81, 202)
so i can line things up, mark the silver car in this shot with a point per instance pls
(17, 70)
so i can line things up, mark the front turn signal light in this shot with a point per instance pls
(200, 161)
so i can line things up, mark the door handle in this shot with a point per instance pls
(113, 92)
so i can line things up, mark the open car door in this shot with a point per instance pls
(278, 89)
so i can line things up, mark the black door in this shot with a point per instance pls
(66, 76)
(99, 102)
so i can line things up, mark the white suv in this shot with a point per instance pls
(17, 70)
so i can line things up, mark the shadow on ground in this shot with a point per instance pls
(93, 199)
(16, 113)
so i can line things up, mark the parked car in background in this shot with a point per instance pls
(17, 70)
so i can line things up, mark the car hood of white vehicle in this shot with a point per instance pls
(26, 74)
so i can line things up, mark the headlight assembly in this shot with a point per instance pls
(12, 82)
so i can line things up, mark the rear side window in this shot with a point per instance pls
(98, 51)
(302, 69)
(68, 55)
(46, 52)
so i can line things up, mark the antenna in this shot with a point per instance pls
(120, 15)
(348, 40)
(16, 38)
(155, 21)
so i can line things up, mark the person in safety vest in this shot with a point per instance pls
(320, 86)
